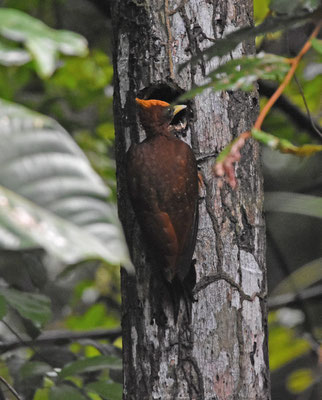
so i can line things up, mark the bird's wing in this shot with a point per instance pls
(184, 259)
(154, 221)
(186, 224)
(163, 186)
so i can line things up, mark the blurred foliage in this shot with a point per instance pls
(300, 380)
(242, 73)
(273, 22)
(286, 344)
(294, 343)
(77, 92)
(43, 43)
(285, 146)
(49, 189)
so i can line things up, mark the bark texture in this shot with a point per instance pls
(218, 348)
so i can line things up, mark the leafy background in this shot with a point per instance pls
(60, 240)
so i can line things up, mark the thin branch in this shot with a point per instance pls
(21, 340)
(296, 115)
(291, 299)
(10, 388)
(318, 131)
(61, 337)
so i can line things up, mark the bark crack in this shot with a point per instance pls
(240, 340)
(215, 226)
(199, 388)
(177, 9)
(209, 279)
(193, 44)
(169, 34)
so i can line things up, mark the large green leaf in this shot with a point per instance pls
(294, 203)
(90, 364)
(25, 225)
(52, 188)
(43, 42)
(33, 306)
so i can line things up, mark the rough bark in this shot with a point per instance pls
(220, 350)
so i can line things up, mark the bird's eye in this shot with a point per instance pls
(168, 112)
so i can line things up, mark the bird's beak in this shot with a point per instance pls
(178, 108)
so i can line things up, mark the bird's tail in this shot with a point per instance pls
(181, 298)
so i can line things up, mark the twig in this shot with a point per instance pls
(291, 299)
(169, 42)
(21, 340)
(294, 63)
(225, 163)
(10, 388)
(318, 131)
(61, 337)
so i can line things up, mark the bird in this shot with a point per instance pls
(162, 180)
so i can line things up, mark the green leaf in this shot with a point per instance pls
(303, 277)
(25, 225)
(261, 9)
(35, 307)
(294, 203)
(300, 380)
(242, 73)
(317, 45)
(284, 346)
(285, 146)
(10, 55)
(107, 390)
(95, 316)
(43, 43)
(41, 394)
(3, 307)
(227, 44)
(65, 392)
(40, 162)
(45, 53)
(90, 364)
(34, 368)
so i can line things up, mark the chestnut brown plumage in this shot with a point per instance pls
(162, 180)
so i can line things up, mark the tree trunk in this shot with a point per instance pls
(218, 348)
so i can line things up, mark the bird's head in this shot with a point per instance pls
(156, 116)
